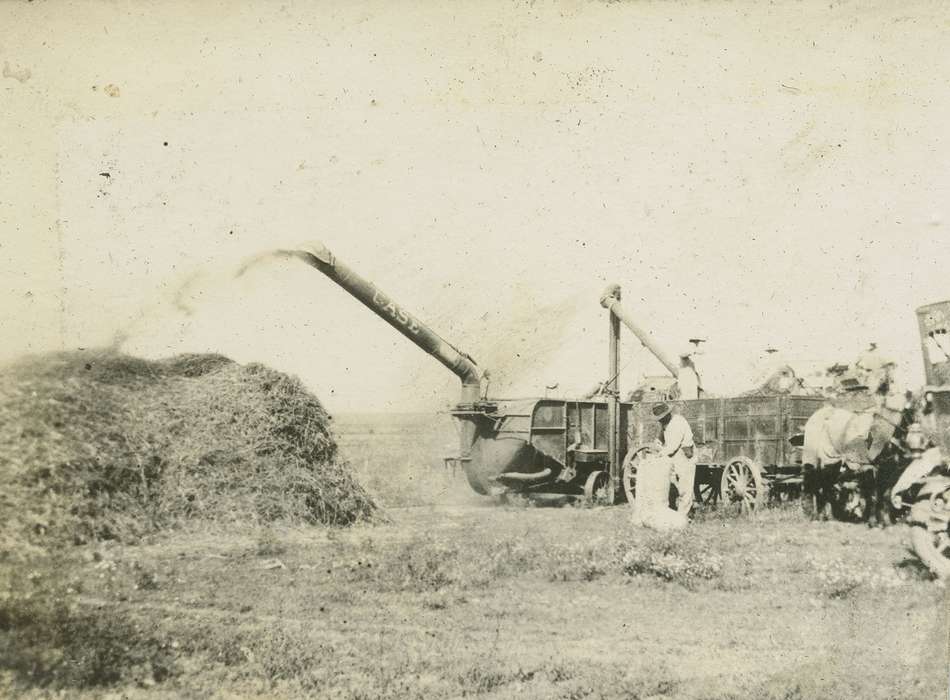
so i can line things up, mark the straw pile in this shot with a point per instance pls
(100, 445)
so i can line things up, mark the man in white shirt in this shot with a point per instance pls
(676, 442)
(875, 369)
(687, 379)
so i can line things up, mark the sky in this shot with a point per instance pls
(757, 175)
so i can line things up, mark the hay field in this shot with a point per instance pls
(463, 597)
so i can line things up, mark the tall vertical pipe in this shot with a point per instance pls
(613, 398)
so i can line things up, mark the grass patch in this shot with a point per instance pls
(425, 564)
(675, 557)
(48, 640)
(837, 579)
(492, 604)
(269, 544)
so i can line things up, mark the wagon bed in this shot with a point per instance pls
(743, 448)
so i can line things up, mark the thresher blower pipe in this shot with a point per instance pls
(317, 255)
(610, 300)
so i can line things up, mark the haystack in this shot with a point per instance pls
(101, 445)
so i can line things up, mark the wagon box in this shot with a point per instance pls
(752, 431)
(755, 427)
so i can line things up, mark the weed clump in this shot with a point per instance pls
(418, 565)
(673, 557)
(269, 544)
(839, 579)
(101, 445)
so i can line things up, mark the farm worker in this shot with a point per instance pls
(874, 369)
(676, 442)
(687, 378)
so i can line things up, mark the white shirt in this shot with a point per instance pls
(676, 435)
(872, 361)
(688, 382)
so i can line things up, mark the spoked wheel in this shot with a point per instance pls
(597, 488)
(628, 475)
(742, 484)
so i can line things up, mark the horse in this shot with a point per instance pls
(866, 444)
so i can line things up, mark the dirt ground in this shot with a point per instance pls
(504, 600)
(479, 598)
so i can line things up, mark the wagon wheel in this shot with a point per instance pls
(628, 474)
(742, 484)
(597, 488)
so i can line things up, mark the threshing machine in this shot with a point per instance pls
(578, 446)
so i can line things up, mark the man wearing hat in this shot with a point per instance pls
(875, 369)
(676, 442)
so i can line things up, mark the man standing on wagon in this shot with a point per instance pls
(676, 442)
(687, 380)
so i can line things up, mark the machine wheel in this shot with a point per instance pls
(628, 474)
(933, 548)
(932, 544)
(597, 488)
(742, 484)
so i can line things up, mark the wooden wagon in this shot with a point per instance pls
(743, 451)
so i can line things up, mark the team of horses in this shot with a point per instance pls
(853, 452)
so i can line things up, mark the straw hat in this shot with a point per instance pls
(661, 410)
